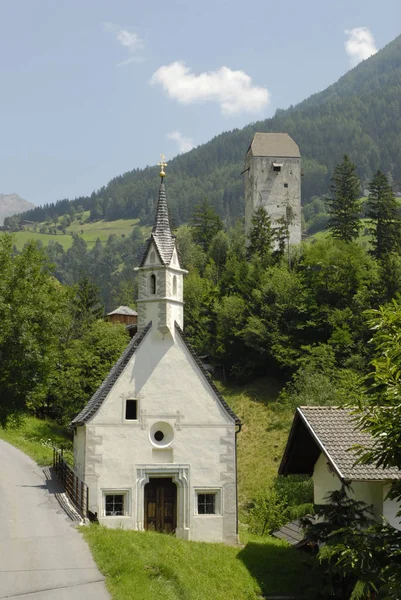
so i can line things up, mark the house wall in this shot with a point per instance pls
(79, 451)
(391, 508)
(265, 187)
(325, 481)
(122, 455)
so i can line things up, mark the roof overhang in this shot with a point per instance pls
(303, 449)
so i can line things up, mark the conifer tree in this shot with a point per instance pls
(386, 223)
(343, 204)
(205, 223)
(261, 236)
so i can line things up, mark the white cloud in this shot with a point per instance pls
(184, 144)
(130, 40)
(359, 45)
(233, 90)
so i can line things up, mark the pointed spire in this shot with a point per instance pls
(161, 231)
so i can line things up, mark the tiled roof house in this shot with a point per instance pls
(322, 443)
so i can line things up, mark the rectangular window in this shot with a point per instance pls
(286, 185)
(206, 504)
(114, 505)
(131, 410)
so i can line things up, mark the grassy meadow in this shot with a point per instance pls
(36, 438)
(90, 232)
(147, 565)
(265, 426)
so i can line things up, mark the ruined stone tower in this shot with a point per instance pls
(273, 180)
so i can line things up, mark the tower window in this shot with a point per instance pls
(277, 167)
(174, 285)
(152, 284)
(286, 185)
(131, 410)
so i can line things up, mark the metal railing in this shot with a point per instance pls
(75, 488)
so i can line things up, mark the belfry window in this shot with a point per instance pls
(174, 285)
(152, 284)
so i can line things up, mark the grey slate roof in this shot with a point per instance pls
(123, 310)
(275, 145)
(206, 375)
(161, 233)
(292, 532)
(101, 393)
(332, 431)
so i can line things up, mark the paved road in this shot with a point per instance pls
(42, 555)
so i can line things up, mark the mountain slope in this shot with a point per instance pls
(10, 204)
(359, 115)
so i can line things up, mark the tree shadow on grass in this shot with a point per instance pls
(281, 570)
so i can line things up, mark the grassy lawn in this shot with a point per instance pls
(147, 565)
(36, 438)
(263, 436)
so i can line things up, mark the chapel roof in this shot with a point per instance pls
(275, 145)
(333, 431)
(102, 392)
(123, 310)
(161, 233)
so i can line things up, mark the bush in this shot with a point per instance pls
(290, 498)
(268, 513)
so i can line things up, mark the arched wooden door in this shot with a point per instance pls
(161, 505)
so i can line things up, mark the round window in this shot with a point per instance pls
(161, 434)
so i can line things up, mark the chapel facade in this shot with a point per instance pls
(156, 444)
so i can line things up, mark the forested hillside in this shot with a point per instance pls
(359, 115)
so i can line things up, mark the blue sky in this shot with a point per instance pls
(93, 88)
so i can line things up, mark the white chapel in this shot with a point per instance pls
(156, 444)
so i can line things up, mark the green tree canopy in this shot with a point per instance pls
(261, 236)
(383, 212)
(343, 204)
(205, 223)
(33, 314)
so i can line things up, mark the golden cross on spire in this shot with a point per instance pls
(162, 164)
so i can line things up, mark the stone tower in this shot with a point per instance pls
(160, 281)
(273, 180)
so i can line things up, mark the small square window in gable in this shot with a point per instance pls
(131, 410)
(286, 185)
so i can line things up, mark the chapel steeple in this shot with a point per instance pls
(160, 289)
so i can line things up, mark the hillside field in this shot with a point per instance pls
(90, 232)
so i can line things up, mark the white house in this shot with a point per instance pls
(156, 444)
(320, 444)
